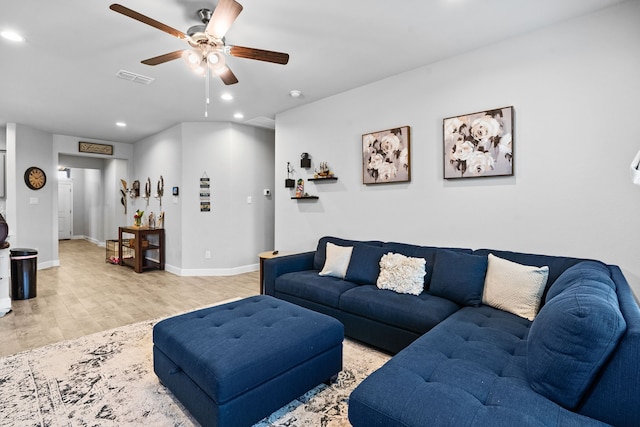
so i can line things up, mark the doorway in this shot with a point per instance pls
(65, 210)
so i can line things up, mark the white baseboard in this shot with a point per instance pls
(5, 306)
(48, 264)
(211, 271)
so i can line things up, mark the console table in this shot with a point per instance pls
(146, 246)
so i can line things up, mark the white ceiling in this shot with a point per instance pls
(62, 79)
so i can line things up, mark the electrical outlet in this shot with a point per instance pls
(249, 199)
(207, 254)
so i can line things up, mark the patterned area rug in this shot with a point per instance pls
(107, 379)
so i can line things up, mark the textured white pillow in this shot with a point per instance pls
(514, 287)
(337, 260)
(401, 274)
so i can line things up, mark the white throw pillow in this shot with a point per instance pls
(514, 287)
(401, 274)
(337, 260)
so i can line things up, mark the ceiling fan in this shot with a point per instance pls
(207, 41)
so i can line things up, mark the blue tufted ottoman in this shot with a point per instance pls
(234, 364)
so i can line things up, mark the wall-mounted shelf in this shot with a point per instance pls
(331, 178)
(305, 197)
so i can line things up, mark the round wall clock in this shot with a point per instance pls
(35, 178)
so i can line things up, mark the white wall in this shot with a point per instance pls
(3, 146)
(94, 213)
(79, 204)
(114, 170)
(239, 162)
(30, 212)
(158, 155)
(575, 89)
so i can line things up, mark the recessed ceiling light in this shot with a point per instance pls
(238, 116)
(226, 96)
(295, 93)
(12, 35)
(121, 124)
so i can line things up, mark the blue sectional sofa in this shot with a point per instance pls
(566, 355)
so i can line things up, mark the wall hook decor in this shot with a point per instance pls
(135, 189)
(305, 161)
(160, 191)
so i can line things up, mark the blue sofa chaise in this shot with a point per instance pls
(463, 359)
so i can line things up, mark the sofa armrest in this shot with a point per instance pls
(278, 266)
(615, 397)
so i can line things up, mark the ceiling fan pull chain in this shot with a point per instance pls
(206, 89)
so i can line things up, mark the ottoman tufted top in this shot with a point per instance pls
(232, 348)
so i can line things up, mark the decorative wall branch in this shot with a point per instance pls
(123, 192)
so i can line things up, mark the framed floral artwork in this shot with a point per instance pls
(479, 144)
(386, 156)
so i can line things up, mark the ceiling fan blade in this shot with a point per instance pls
(223, 16)
(163, 58)
(227, 76)
(259, 54)
(149, 21)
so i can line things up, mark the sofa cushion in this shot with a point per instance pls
(593, 270)
(426, 252)
(364, 267)
(401, 274)
(309, 285)
(514, 287)
(415, 313)
(557, 264)
(336, 261)
(458, 277)
(321, 250)
(571, 338)
(470, 370)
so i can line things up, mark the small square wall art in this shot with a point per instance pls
(479, 144)
(385, 156)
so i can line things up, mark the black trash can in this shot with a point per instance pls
(24, 265)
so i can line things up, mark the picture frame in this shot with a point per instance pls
(479, 144)
(95, 148)
(386, 156)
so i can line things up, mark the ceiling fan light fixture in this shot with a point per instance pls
(216, 61)
(193, 59)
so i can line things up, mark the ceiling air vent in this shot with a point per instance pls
(263, 122)
(133, 77)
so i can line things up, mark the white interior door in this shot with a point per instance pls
(65, 210)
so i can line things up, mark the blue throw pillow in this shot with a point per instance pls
(364, 267)
(320, 256)
(458, 277)
(570, 339)
(426, 252)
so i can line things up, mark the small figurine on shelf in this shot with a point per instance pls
(300, 188)
(289, 182)
(323, 171)
(152, 220)
(161, 220)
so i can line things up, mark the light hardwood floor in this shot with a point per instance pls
(85, 295)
